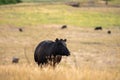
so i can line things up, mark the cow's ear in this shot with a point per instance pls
(65, 40)
(56, 39)
(61, 39)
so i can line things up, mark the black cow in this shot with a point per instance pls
(50, 52)
(64, 26)
(74, 4)
(109, 32)
(98, 28)
(15, 60)
(20, 29)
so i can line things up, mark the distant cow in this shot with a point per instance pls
(50, 52)
(98, 28)
(20, 29)
(64, 26)
(74, 4)
(15, 60)
(109, 32)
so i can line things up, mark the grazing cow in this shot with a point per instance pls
(109, 32)
(50, 52)
(64, 26)
(98, 28)
(15, 60)
(74, 4)
(20, 29)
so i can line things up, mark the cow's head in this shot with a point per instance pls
(61, 48)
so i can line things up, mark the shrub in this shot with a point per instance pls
(9, 1)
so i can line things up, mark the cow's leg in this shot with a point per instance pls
(50, 60)
(54, 61)
(39, 64)
(58, 59)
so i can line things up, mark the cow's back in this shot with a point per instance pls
(42, 50)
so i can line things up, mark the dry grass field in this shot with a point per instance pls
(95, 55)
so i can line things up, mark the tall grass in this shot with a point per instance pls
(30, 72)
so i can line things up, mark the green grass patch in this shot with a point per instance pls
(37, 14)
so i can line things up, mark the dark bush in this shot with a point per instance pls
(9, 1)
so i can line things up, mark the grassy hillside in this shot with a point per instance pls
(115, 2)
(95, 55)
(68, 0)
(36, 14)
